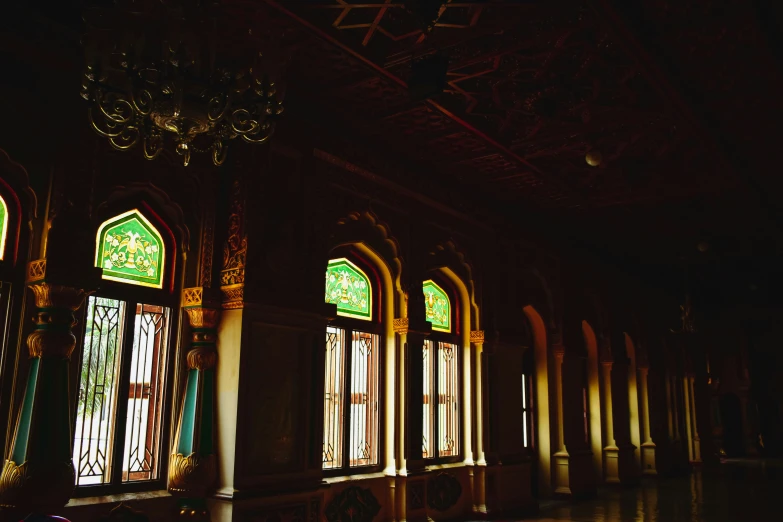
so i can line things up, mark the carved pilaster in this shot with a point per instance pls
(193, 463)
(38, 473)
(232, 274)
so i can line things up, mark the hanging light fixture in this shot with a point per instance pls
(180, 74)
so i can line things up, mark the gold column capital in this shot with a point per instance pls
(401, 325)
(477, 336)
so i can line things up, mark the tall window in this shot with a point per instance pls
(124, 362)
(528, 429)
(441, 378)
(352, 378)
(3, 226)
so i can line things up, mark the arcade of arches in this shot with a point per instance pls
(461, 375)
(313, 332)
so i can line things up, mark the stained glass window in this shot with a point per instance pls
(349, 288)
(130, 250)
(438, 307)
(3, 226)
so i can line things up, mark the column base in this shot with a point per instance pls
(612, 465)
(620, 465)
(649, 466)
(561, 473)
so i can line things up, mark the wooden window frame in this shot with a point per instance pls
(455, 339)
(133, 297)
(349, 325)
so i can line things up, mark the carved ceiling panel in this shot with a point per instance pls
(531, 88)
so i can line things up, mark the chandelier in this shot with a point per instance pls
(180, 74)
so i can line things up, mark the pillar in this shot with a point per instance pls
(561, 456)
(193, 461)
(695, 442)
(38, 474)
(687, 408)
(648, 446)
(611, 451)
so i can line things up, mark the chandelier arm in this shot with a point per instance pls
(129, 146)
(156, 153)
(249, 139)
(106, 134)
(116, 116)
(219, 153)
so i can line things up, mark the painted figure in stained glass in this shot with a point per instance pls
(438, 307)
(3, 226)
(130, 250)
(349, 288)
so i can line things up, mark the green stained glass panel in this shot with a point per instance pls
(3, 226)
(130, 250)
(437, 306)
(349, 288)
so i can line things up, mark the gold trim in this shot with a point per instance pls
(233, 296)
(202, 317)
(477, 336)
(56, 296)
(192, 474)
(401, 325)
(36, 270)
(202, 358)
(193, 296)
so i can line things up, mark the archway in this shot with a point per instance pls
(633, 399)
(594, 397)
(543, 432)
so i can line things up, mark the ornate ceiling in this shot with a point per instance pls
(531, 88)
(681, 99)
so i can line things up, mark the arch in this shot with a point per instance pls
(543, 432)
(594, 396)
(446, 259)
(633, 398)
(162, 214)
(3, 225)
(371, 240)
(20, 204)
(129, 249)
(364, 228)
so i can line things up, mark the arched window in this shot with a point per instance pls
(120, 411)
(3, 226)
(353, 368)
(442, 377)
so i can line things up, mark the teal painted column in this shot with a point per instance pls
(193, 463)
(38, 473)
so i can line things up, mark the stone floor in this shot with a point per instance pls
(735, 491)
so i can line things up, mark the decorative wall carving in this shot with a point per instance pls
(417, 494)
(477, 336)
(353, 504)
(401, 325)
(443, 491)
(207, 248)
(232, 275)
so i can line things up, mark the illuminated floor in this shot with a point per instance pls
(740, 491)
